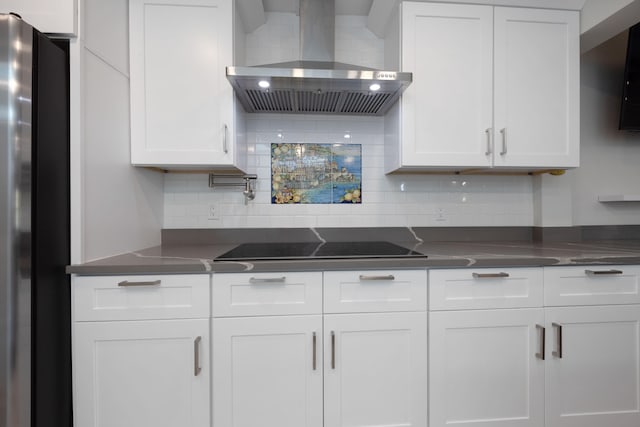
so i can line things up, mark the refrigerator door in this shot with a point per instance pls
(16, 45)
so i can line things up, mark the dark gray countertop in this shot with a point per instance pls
(198, 258)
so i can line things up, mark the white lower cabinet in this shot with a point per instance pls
(141, 351)
(593, 366)
(267, 371)
(142, 373)
(509, 347)
(593, 346)
(486, 368)
(375, 369)
(486, 347)
(299, 367)
(570, 359)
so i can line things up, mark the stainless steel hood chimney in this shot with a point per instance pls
(317, 84)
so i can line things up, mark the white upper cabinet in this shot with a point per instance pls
(447, 108)
(47, 16)
(492, 87)
(537, 85)
(183, 111)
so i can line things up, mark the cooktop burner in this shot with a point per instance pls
(317, 250)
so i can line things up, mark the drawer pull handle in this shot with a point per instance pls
(314, 351)
(196, 356)
(387, 277)
(490, 275)
(558, 352)
(126, 283)
(333, 350)
(540, 355)
(602, 272)
(268, 280)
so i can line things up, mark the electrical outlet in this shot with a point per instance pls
(214, 213)
(441, 215)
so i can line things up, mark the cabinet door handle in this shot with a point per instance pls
(488, 132)
(542, 352)
(314, 351)
(224, 139)
(268, 280)
(126, 283)
(489, 275)
(558, 352)
(602, 272)
(196, 356)
(503, 131)
(333, 350)
(387, 277)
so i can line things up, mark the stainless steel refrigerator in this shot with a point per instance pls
(35, 341)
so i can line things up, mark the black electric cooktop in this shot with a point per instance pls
(317, 250)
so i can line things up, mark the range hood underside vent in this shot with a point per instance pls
(315, 90)
(290, 101)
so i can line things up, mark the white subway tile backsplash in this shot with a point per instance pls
(387, 200)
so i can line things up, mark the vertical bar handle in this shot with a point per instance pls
(333, 350)
(488, 132)
(542, 352)
(503, 131)
(224, 139)
(314, 351)
(558, 352)
(196, 356)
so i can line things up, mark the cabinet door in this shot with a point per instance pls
(483, 368)
(448, 107)
(267, 371)
(47, 16)
(181, 104)
(375, 369)
(595, 379)
(142, 373)
(537, 87)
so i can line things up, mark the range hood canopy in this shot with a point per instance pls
(316, 83)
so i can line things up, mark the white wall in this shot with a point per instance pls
(610, 160)
(121, 206)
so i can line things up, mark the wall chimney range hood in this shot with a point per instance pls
(316, 84)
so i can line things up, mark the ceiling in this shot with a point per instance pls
(601, 19)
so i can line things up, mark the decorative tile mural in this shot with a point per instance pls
(316, 173)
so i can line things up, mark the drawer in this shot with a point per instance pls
(375, 291)
(263, 294)
(591, 285)
(484, 288)
(183, 296)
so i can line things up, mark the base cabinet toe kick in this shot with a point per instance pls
(543, 346)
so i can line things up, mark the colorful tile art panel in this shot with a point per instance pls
(316, 173)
